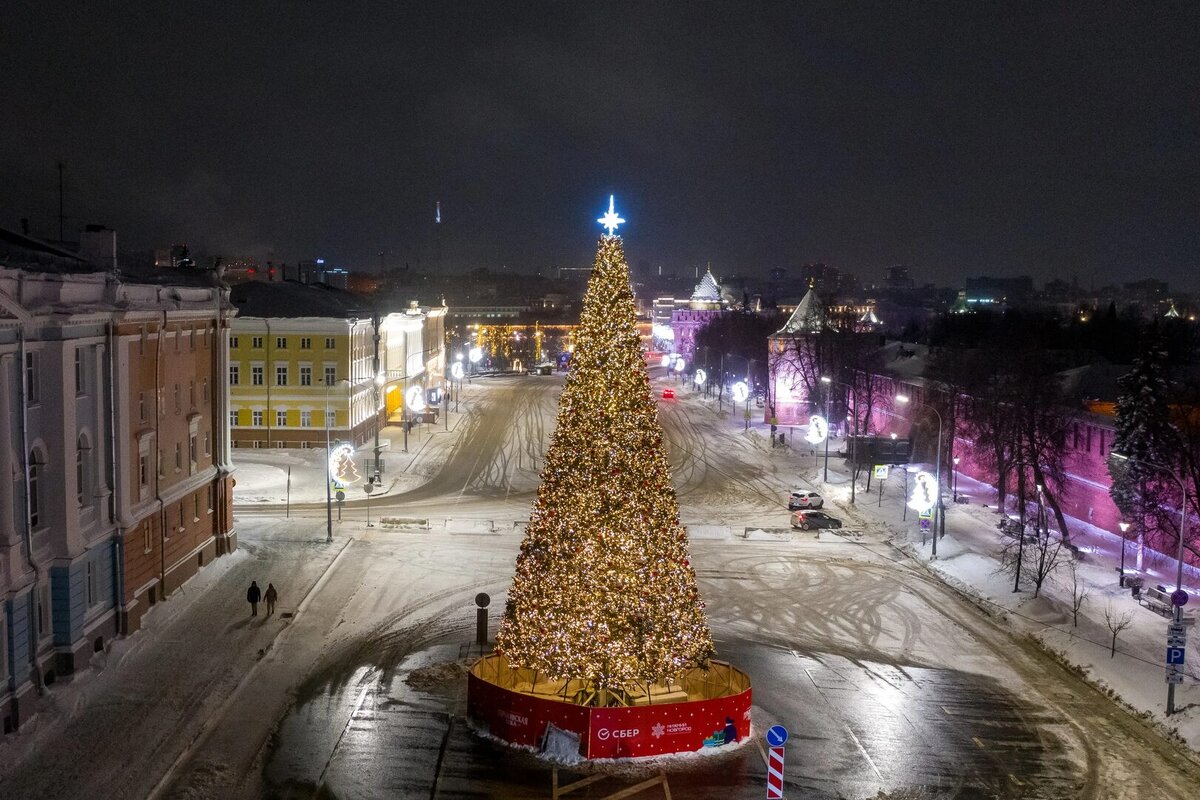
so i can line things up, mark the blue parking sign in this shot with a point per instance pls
(1175, 655)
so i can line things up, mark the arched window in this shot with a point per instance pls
(35, 469)
(82, 449)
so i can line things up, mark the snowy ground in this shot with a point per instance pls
(888, 680)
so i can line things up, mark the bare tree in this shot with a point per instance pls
(1035, 555)
(1079, 593)
(1116, 622)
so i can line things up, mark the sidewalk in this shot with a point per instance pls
(113, 730)
(278, 476)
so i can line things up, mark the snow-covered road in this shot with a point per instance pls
(888, 679)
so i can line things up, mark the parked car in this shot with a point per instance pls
(802, 499)
(807, 520)
(668, 393)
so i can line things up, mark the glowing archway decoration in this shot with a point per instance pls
(740, 392)
(414, 398)
(924, 493)
(342, 469)
(700, 377)
(456, 370)
(818, 429)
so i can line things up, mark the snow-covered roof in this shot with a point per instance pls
(809, 316)
(288, 299)
(707, 290)
(869, 318)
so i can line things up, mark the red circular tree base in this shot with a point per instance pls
(501, 699)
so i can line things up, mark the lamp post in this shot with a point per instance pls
(938, 511)
(954, 481)
(1124, 526)
(828, 391)
(328, 478)
(1178, 615)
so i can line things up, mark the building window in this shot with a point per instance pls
(191, 334)
(233, 343)
(235, 374)
(256, 342)
(305, 343)
(281, 376)
(177, 398)
(330, 343)
(91, 583)
(233, 418)
(212, 498)
(182, 524)
(205, 389)
(195, 508)
(191, 394)
(281, 419)
(306, 376)
(80, 387)
(330, 375)
(142, 406)
(35, 498)
(207, 446)
(305, 419)
(143, 470)
(256, 418)
(82, 448)
(330, 419)
(256, 375)
(281, 343)
(192, 450)
(31, 378)
(147, 541)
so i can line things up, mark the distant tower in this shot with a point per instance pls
(437, 237)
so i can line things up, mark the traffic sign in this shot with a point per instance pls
(1174, 677)
(926, 514)
(777, 735)
(1176, 641)
(881, 471)
(1176, 629)
(926, 523)
(339, 496)
(1175, 655)
(775, 774)
(1179, 597)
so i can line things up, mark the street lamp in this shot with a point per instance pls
(954, 481)
(828, 391)
(1178, 555)
(328, 478)
(938, 511)
(1124, 526)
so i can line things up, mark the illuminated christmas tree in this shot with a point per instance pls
(604, 591)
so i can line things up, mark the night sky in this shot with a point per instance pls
(957, 139)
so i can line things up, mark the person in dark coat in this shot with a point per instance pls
(731, 734)
(271, 596)
(253, 595)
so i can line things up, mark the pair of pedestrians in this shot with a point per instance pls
(254, 595)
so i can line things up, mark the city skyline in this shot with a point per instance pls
(1048, 142)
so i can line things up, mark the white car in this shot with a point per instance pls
(803, 499)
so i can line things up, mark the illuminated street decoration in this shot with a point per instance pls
(740, 392)
(475, 354)
(342, 470)
(680, 363)
(700, 377)
(666, 359)
(818, 429)
(610, 220)
(924, 493)
(414, 398)
(456, 370)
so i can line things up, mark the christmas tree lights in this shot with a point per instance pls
(604, 591)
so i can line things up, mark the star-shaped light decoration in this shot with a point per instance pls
(610, 220)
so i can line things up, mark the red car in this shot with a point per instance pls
(668, 393)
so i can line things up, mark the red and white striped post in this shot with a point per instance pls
(776, 737)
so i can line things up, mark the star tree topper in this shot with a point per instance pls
(610, 220)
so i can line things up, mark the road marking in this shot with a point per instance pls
(1015, 779)
(978, 743)
(863, 750)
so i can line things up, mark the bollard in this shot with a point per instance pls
(481, 620)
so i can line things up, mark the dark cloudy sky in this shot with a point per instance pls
(1007, 138)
